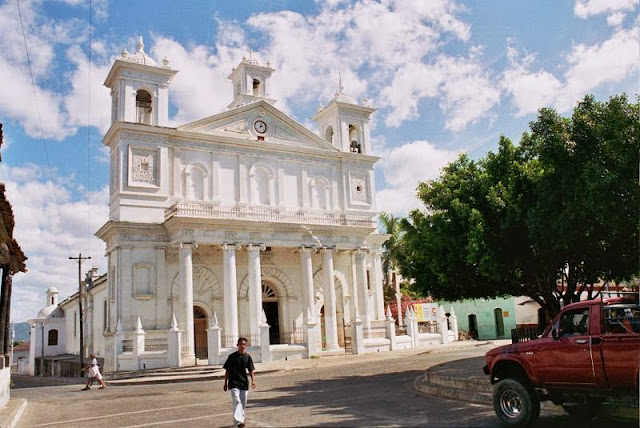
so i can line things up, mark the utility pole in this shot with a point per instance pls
(80, 259)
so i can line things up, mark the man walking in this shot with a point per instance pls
(235, 380)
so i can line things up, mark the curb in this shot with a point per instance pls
(469, 393)
(11, 413)
(173, 379)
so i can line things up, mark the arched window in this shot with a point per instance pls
(355, 146)
(143, 107)
(261, 187)
(268, 293)
(256, 87)
(328, 134)
(52, 339)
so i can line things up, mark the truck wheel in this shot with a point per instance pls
(516, 402)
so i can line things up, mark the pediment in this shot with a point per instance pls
(241, 123)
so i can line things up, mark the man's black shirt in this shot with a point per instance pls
(237, 366)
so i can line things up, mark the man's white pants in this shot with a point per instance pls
(238, 403)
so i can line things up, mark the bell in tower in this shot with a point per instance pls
(139, 88)
(345, 124)
(250, 80)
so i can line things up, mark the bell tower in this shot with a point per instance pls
(250, 82)
(345, 124)
(139, 88)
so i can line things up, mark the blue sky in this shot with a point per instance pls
(446, 76)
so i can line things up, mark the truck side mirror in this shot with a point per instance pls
(554, 334)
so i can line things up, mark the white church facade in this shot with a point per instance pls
(244, 223)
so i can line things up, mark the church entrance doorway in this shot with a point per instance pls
(272, 312)
(200, 332)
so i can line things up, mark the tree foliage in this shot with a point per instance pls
(548, 218)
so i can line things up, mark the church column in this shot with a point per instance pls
(363, 289)
(161, 289)
(186, 297)
(126, 287)
(307, 282)
(376, 283)
(230, 295)
(330, 322)
(255, 292)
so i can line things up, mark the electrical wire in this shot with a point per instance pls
(35, 96)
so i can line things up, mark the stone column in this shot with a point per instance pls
(308, 299)
(330, 321)
(376, 283)
(363, 289)
(396, 285)
(186, 297)
(255, 292)
(230, 325)
(265, 344)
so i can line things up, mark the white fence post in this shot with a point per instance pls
(213, 342)
(444, 329)
(358, 337)
(390, 324)
(174, 342)
(454, 325)
(265, 344)
(138, 341)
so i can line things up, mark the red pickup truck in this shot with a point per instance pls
(590, 352)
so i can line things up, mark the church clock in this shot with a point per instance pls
(260, 126)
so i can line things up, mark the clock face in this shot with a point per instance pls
(260, 126)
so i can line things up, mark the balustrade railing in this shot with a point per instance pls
(156, 344)
(191, 209)
(127, 345)
(375, 332)
(296, 336)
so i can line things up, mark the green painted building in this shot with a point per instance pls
(488, 318)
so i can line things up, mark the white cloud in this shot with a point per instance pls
(587, 68)
(615, 19)
(403, 167)
(49, 228)
(76, 101)
(587, 8)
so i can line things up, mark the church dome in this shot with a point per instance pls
(344, 98)
(48, 312)
(140, 57)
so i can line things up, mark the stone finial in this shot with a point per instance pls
(263, 320)
(174, 322)
(214, 321)
(124, 53)
(453, 313)
(166, 62)
(388, 313)
(140, 44)
(119, 326)
(139, 325)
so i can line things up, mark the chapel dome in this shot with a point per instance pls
(140, 57)
(52, 290)
(49, 312)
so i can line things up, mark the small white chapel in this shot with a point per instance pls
(244, 223)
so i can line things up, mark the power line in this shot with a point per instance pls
(35, 96)
(89, 132)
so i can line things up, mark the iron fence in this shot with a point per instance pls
(375, 332)
(127, 345)
(294, 337)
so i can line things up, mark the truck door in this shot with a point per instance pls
(621, 344)
(568, 360)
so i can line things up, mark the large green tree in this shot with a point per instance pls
(548, 218)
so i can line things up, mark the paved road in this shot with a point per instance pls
(375, 391)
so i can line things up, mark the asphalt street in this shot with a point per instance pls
(366, 392)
